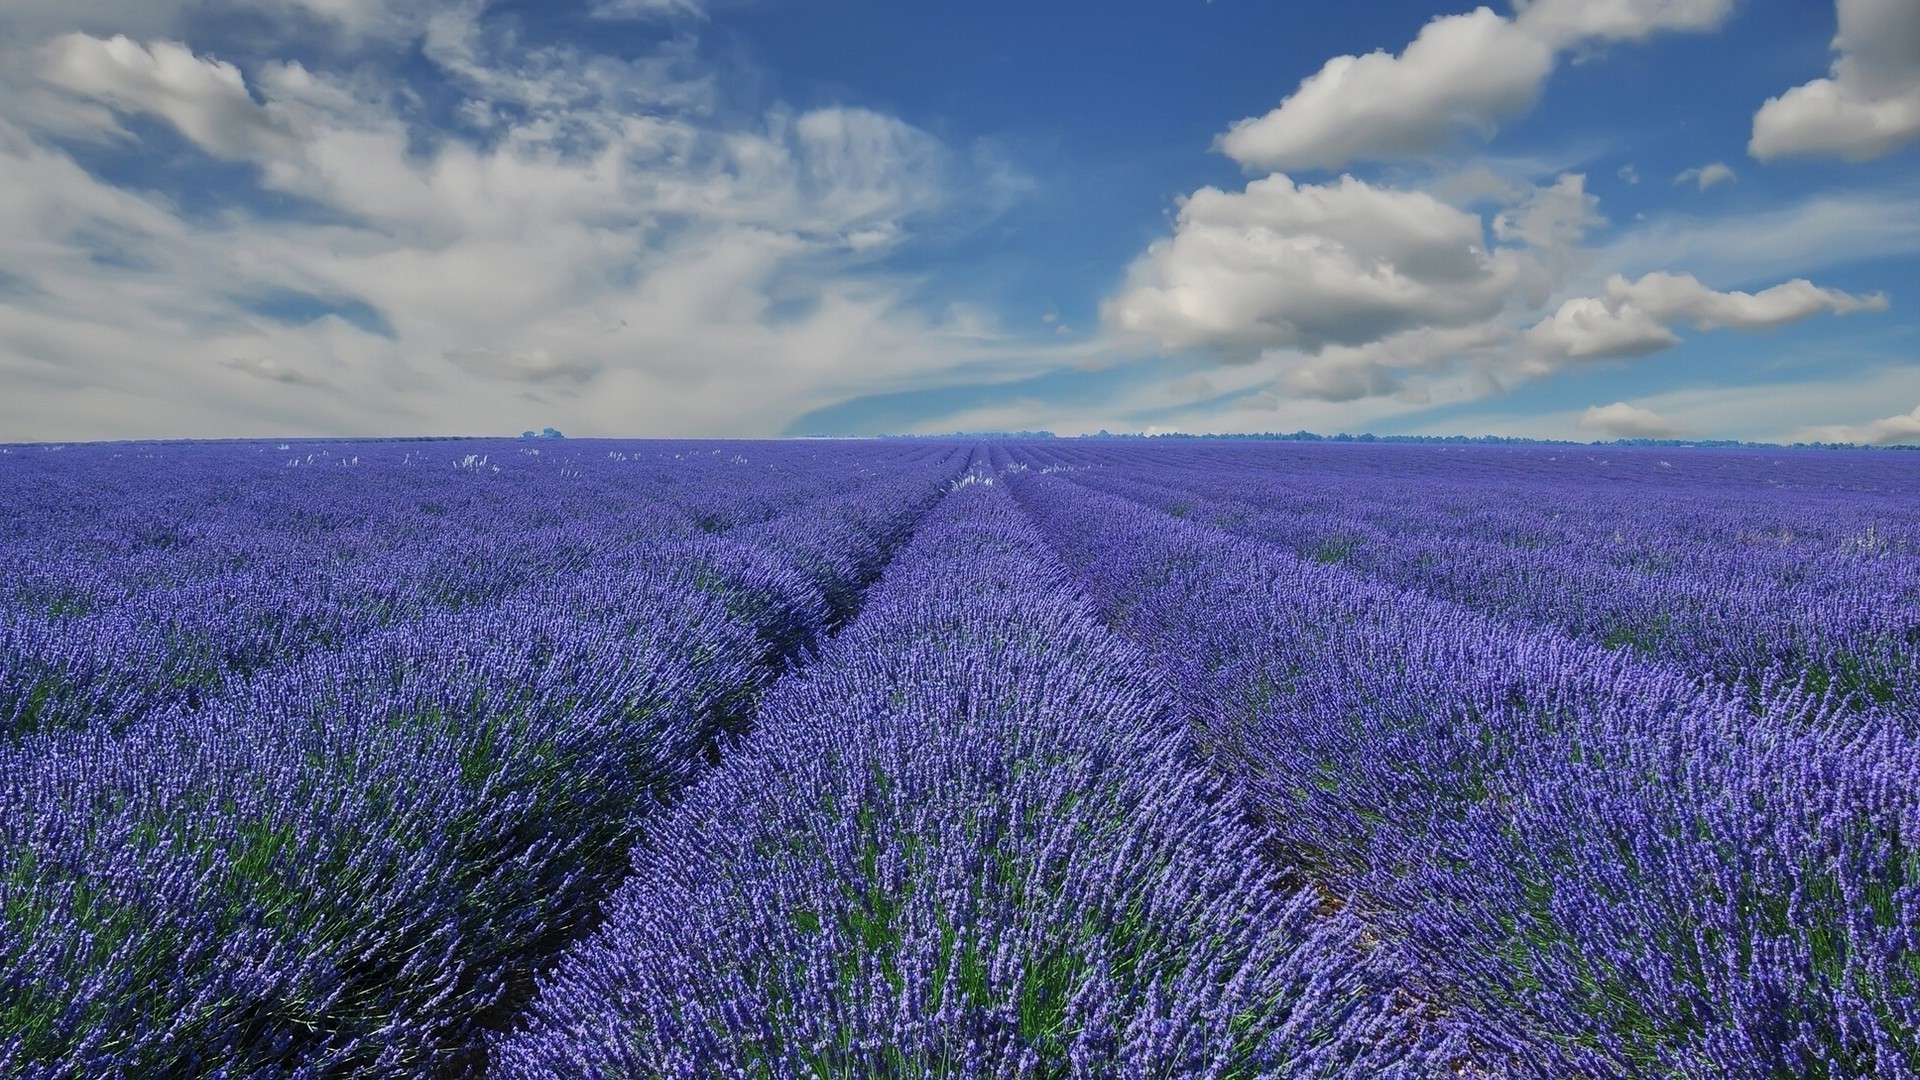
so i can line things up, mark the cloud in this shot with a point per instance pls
(1331, 380)
(1800, 410)
(1634, 318)
(1706, 175)
(1592, 328)
(1829, 229)
(1624, 421)
(1461, 74)
(1682, 296)
(1304, 266)
(274, 371)
(1359, 292)
(648, 9)
(1548, 217)
(348, 24)
(1867, 107)
(1566, 23)
(207, 100)
(1382, 369)
(592, 231)
(1631, 319)
(1629, 174)
(1336, 288)
(1893, 430)
(535, 365)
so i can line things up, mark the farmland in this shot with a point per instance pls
(945, 758)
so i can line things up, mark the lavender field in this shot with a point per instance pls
(924, 758)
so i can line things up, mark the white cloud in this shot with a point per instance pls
(648, 9)
(1550, 217)
(1868, 106)
(1624, 421)
(1705, 176)
(1395, 366)
(1796, 411)
(1629, 174)
(1634, 318)
(1893, 430)
(1360, 292)
(1282, 273)
(1565, 23)
(1682, 296)
(1305, 266)
(1324, 381)
(349, 23)
(1631, 319)
(1830, 118)
(205, 99)
(535, 365)
(274, 370)
(1591, 328)
(1779, 411)
(1167, 396)
(1829, 229)
(1461, 74)
(608, 256)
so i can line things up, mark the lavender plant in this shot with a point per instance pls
(1737, 566)
(351, 861)
(1607, 867)
(971, 841)
(611, 759)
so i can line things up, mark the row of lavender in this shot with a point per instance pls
(135, 577)
(1596, 862)
(1445, 833)
(442, 694)
(1743, 564)
(971, 841)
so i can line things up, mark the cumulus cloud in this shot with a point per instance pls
(1357, 291)
(1705, 176)
(1901, 430)
(1308, 265)
(1354, 292)
(1868, 106)
(1394, 366)
(1329, 379)
(1624, 421)
(1461, 74)
(1682, 296)
(1591, 328)
(1634, 318)
(1550, 221)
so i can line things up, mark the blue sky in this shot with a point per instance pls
(1561, 218)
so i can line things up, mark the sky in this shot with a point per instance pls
(1570, 219)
